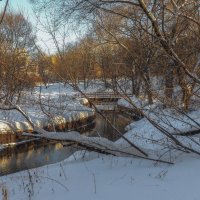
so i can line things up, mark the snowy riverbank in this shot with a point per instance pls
(88, 175)
(46, 106)
(98, 177)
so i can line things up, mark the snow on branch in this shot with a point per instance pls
(101, 145)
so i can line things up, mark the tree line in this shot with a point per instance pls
(152, 45)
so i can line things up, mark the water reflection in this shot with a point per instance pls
(32, 155)
(104, 129)
(41, 152)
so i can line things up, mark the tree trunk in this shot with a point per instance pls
(186, 89)
(169, 86)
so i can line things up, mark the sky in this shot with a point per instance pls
(44, 40)
(21, 4)
(24, 5)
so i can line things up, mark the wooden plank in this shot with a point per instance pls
(104, 95)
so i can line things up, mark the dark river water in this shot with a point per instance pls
(41, 152)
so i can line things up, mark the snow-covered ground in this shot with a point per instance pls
(105, 177)
(171, 120)
(97, 177)
(88, 175)
(174, 120)
(49, 105)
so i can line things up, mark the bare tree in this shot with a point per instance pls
(17, 42)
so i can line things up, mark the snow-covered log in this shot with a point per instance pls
(101, 145)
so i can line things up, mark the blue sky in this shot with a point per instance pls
(44, 39)
(18, 4)
(22, 5)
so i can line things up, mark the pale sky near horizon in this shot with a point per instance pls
(44, 39)
(24, 5)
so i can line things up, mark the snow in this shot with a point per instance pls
(56, 100)
(17, 123)
(106, 177)
(143, 132)
(94, 142)
(136, 101)
(146, 135)
(171, 119)
(88, 175)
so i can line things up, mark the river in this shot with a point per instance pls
(39, 153)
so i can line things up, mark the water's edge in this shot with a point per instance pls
(39, 153)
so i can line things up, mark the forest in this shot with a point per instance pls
(75, 66)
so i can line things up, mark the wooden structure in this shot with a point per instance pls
(103, 96)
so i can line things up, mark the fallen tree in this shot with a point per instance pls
(96, 144)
